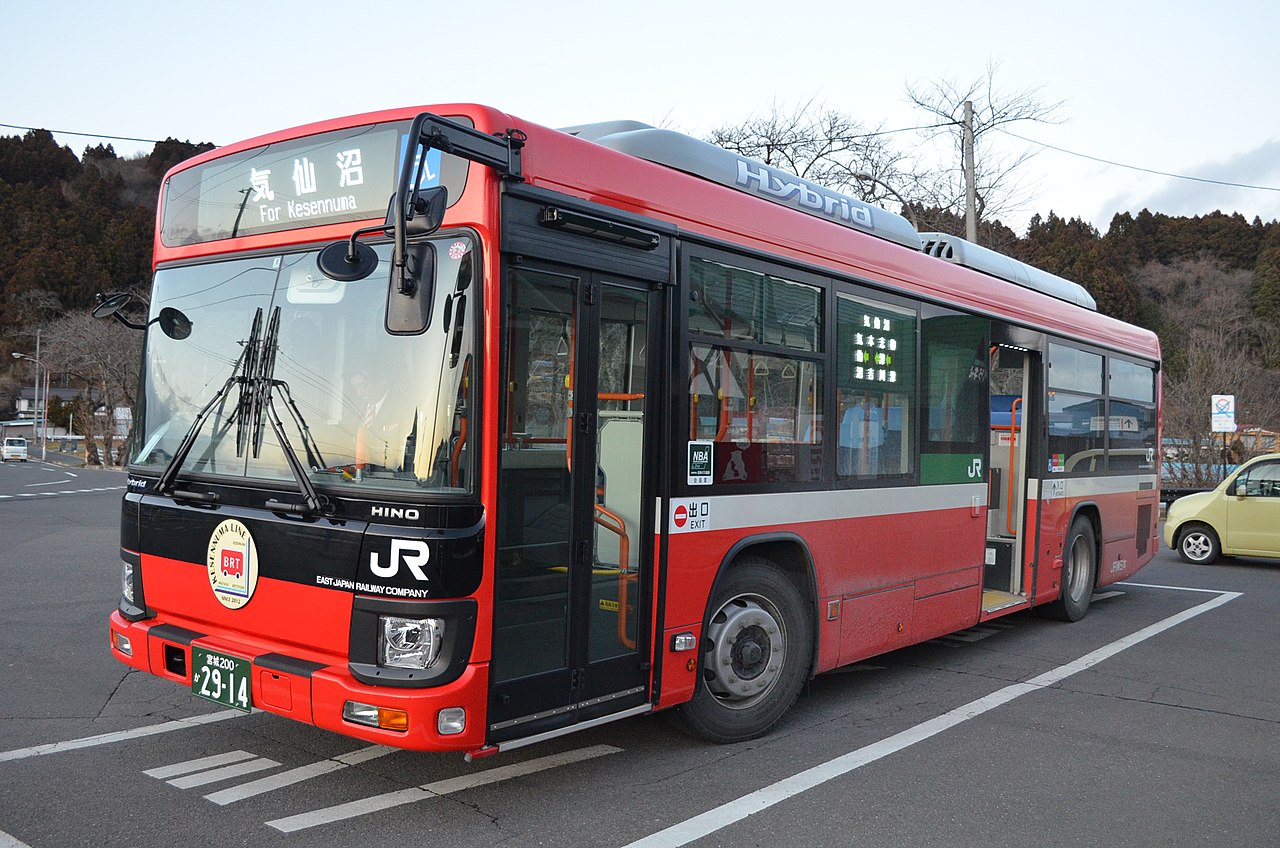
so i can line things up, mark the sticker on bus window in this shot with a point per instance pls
(1057, 463)
(700, 463)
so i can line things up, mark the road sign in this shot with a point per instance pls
(1222, 415)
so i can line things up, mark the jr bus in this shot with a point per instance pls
(461, 433)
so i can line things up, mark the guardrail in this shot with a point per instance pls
(1169, 494)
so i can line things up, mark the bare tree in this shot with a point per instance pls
(102, 356)
(1208, 337)
(997, 176)
(825, 146)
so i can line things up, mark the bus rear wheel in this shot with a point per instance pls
(756, 654)
(1079, 572)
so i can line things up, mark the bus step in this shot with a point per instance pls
(994, 601)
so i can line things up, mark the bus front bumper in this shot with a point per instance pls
(443, 718)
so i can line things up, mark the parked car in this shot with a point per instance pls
(15, 447)
(1240, 517)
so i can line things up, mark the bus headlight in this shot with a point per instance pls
(409, 642)
(126, 581)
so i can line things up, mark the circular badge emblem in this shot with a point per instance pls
(233, 564)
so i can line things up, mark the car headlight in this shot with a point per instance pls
(409, 642)
(126, 581)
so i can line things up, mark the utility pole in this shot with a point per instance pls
(970, 191)
(36, 399)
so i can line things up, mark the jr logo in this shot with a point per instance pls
(413, 553)
(975, 468)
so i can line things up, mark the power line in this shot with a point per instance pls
(1139, 168)
(83, 134)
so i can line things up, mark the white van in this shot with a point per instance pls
(15, 447)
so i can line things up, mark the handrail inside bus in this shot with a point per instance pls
(1013, 442)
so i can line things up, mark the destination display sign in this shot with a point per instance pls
(345, 175)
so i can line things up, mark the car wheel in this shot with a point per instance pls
(1198, 544)
(756, 655)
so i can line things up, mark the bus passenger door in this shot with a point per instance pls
(574, 515)
(1012, 410)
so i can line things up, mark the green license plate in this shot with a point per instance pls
(221, 679)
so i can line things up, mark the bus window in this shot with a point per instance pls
(756, 383)
(875, 351)
(955, 398)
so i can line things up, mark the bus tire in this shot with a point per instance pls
(756, 655)
(1198, 544)
(1079, 572)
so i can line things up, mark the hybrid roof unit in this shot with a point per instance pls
(960, 252)
(684, 153)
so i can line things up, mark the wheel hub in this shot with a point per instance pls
(748, 647)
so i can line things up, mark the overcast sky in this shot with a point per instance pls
(1179, 87)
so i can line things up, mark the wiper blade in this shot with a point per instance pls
(243, 413)
(262, 401)
(314, 458)
(239, 374)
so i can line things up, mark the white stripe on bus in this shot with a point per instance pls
(730, 512)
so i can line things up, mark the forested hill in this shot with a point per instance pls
(1210, 285)
(70, 227)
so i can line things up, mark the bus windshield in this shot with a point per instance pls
(360, 407)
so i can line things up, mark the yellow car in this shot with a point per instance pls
(1240, 517)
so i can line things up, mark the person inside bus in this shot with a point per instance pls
(862, 432)
(379, 433)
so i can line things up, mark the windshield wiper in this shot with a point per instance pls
(314, 458)
(241, 373)
(262, 402)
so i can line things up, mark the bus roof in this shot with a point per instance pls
(681, 191)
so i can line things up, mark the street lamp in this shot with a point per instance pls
(41, 401)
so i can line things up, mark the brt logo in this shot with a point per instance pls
(413, 553)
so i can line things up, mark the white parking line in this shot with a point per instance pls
(7, 841)
(118, 736)
(62, 492)
(297, 775)
(440, 788)
(225, 773)
(734, 811)
(166, 772)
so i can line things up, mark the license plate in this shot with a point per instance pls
(221, 679)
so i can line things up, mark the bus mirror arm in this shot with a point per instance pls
(349, 260)
(173, 322)
(420, 211)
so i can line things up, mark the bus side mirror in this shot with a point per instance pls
(421, 215)
(409, 313)
(109, 306)
(425, 212)
(174, 323)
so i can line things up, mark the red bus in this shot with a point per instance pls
(588, 423)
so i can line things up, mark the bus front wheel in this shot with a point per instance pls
(1079, 571)
(756, 654)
